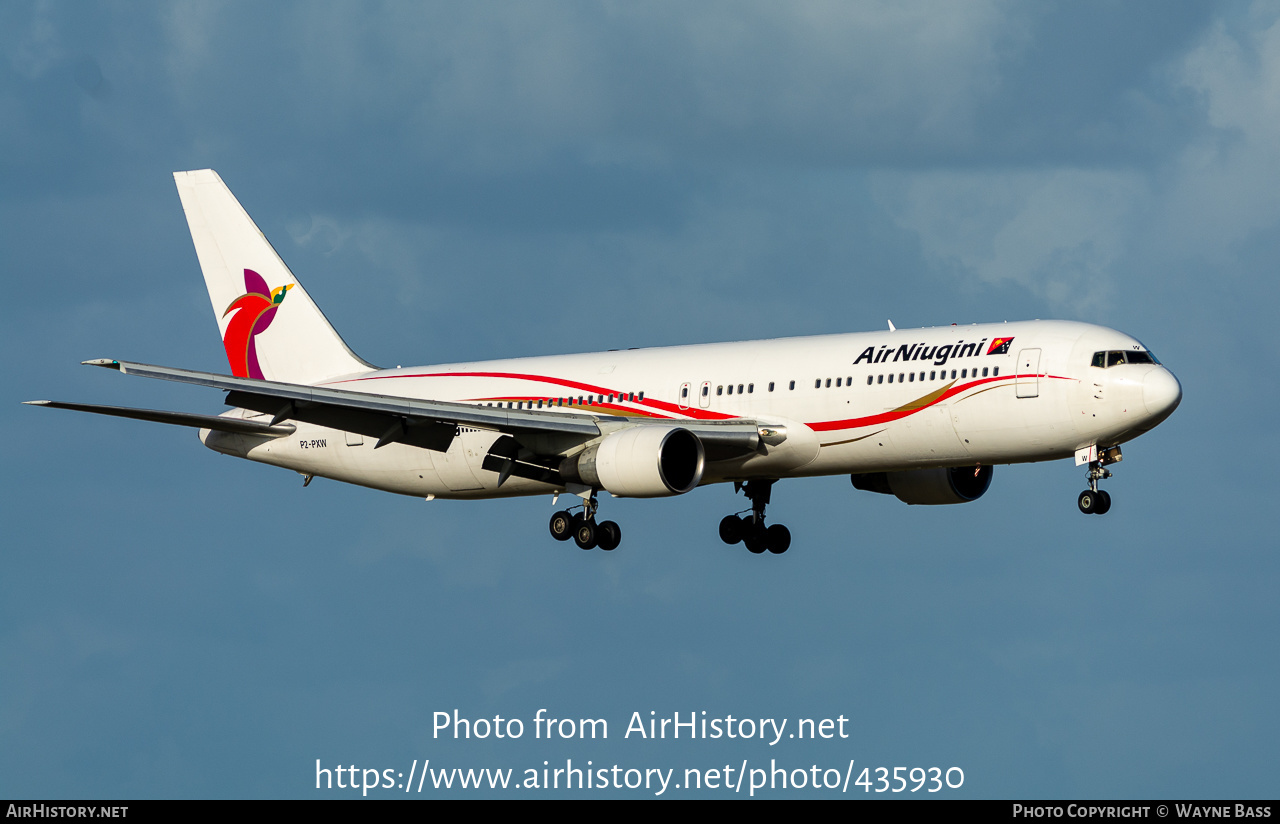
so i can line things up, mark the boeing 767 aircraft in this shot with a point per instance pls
(921, 414)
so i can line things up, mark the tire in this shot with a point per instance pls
(731, 529)
(754, 537)
(778, 539)
(561, 526)
(608, 536)
(1103, 504)
(1088, 502)
(585, 534)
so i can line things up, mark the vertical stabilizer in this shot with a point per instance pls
(270, 327)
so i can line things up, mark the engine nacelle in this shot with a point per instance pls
(947, 485)
(646, 461)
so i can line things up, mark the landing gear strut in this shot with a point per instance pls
(583, 529)
(749, 528)
(1094, 501)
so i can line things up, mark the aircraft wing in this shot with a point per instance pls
(426, 423)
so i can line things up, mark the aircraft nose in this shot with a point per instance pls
(1161, 393)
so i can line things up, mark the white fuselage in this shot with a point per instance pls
(852, 403)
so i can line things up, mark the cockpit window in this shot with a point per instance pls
(1140, 357)
(1118, 357)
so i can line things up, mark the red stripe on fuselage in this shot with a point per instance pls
(703, 414)
(699, 414)
(898, 414)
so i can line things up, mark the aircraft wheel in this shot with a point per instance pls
(584, 534)
(1103, 503)
(778, 539)
(561, 526)
(731, 529)
(754, 538)
(608, 536)
(1088, 501)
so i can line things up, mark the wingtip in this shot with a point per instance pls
(37, 403)
(107, 362)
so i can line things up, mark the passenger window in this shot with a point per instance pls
(793, 384)
(837, 383)
(891, 379)
(964, 373)
(995, 372)
(817, 384)
(730, 389)
(984, 371)
(751, 387)
(848, 381)
(770, 386)
(719, 390)
(880, 379)
(869, 380)
(933, 375)
(912, 377)
(953, 374)
(706, 390)
(684, 391)
(739, 389)
(642, 395)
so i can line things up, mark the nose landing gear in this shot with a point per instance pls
(584, 530)
(749, 529)
(1094, 501)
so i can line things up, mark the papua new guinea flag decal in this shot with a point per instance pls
(1000, 346)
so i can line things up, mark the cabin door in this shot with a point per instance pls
(1029, 373)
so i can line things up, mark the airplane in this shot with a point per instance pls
(921, 414)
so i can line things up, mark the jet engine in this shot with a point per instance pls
(947, 485)
(645, 461)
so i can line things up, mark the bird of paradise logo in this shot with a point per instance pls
(254, 311)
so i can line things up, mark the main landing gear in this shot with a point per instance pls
(750, 528)
(1094, 501)
(583, 529)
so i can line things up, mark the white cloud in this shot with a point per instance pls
(1058, 232)
(36, 47)
(1227, 185)
(497, 86)
(1069, 233)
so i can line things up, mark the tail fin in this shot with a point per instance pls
(270, 327)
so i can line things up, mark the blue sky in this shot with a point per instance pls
(459, 182)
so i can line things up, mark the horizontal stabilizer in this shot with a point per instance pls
(217, 422)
